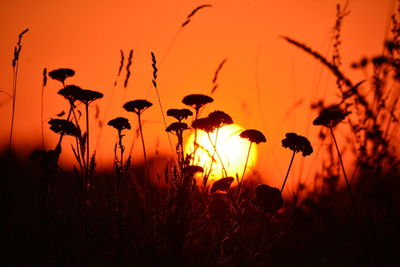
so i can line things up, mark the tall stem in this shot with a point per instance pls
(87, 141)
(287, 173)
(195, 145)
(144, 149)
(244, 171)
(15, 78)
(344, 171)
(41, 116)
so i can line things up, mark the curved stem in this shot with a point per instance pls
(287, 173)
(344, 171)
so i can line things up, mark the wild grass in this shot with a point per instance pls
(135, 217)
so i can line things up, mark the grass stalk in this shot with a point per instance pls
(344, 171)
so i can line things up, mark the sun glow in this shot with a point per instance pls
(231, 150)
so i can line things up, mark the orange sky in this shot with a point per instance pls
(87, 36)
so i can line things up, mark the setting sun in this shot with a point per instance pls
(232, 150)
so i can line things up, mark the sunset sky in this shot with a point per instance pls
(266, 83)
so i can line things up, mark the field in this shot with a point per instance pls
(194, 206)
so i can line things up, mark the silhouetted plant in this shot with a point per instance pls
(222, 184)
(41, 105)
(177, 129)
(296, 143)
(62, 126)
(179, 114)
(196, 101)
(61, 74)
(212, 123)
(15, 66)
(268, 199)
(138, 106)
(120, 124)
(87, 97)
(254, 136)
(330, 117)
(122, 182)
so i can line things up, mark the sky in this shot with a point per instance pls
(265, 84)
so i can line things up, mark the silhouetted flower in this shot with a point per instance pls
(71, 92)
(203, 124)
(192, 170)
(330, 116)
(297, 143)
(62, 126)
(61, 74)
(137, 106)
(177, 127)
(87, 96)
(196, 100)
(219, 118)
(222, 184)
(179, 114)
(267, 198)
(120, 123)
(254, 136)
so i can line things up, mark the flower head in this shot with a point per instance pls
(330, 116)
(62, 126)
(137, 106)
(203, 124)
(219, 118)
(71, 92)
(222, 184)
(297, 143)
(74, 93)
(267, 198)
(254, 136)
(61, 74)
(196, 100)
(179, 114)
(88, 96)
(177, 127)
(191, 170)
(120, 123)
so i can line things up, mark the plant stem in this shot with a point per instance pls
(144, 149)
(344, 171)
(195, 138)
(244, 171)
(41, 116)
(87, 141)
(287, 173)
(216, 152)
(15, 79)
